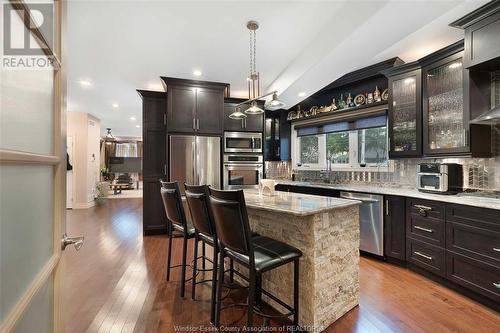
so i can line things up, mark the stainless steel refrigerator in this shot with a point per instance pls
(195, 160)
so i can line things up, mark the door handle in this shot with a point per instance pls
(194, 123)
(76, 241)
(197, 123)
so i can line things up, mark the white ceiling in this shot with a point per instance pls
(121, 46)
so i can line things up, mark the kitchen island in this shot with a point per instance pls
(326, 230)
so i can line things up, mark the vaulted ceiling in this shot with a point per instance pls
(116, 47)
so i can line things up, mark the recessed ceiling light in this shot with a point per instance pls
(197, 73)
(115, 105)
(133, 118)
(85, 83)
(302, 94)
(138, 126)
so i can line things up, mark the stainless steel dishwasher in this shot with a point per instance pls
(371, 221)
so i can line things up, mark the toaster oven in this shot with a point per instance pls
(445, 178)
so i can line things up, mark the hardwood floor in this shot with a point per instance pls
(116, 283)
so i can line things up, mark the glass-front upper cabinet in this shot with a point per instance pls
(405, 112)
(445, 125)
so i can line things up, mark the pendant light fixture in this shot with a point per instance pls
(109, 138)
(253, 80)
(237, 114)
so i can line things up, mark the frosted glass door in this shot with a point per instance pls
(31, 183)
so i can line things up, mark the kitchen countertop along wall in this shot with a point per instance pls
(405, 192)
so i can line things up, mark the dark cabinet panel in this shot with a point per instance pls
(426, 256)
(154, 166)
(181, 109)
(405, 114)
(272, 136)
(474, 275)
(154, 218)
(427, 229)
(327, 192)
(426, 208)
(209, 106)
(478, 243)
(394, 227)
(254, 123)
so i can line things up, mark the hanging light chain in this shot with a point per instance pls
(254, 51)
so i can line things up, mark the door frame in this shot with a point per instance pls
(52, 268)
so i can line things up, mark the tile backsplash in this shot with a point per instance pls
(479, 173)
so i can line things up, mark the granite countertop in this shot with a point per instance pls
(295, 203)
(406, 192)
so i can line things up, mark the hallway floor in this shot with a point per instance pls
(116, 283)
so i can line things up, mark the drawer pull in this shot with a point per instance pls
(424, 256)
(423, 229)
(422, 207)
(496, 249)
(497, 285)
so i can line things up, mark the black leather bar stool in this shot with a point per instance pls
(174, 210)
(197, 199)
(259, 254)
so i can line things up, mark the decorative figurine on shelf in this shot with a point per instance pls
(341, 104)
(369, 98)
(333, 106)
(376, 95)
(359, 100)
(350, 102)
(385, 95)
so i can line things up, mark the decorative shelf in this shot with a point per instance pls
(346, 114)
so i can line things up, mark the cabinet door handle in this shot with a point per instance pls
(386, 207)
(422, 255)
(496, 249)
(496, 285)
(194, 123)
(198, 123)
(423, 229)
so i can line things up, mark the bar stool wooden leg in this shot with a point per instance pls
(183, 268)
(296, 293)
(169, 255)
(195, 267)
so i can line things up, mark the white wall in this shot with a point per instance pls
(85, 131)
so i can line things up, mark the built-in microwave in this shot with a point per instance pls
(440, 177)
(242, 142)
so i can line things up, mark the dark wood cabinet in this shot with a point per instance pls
(405, 110)
(209, 110)
(474, 275)
(252, 123)
(272, 136)
(426, 256)
(394, 227)
(482, 28)
(154, 163)
(445, 122)
(181, 113)
(194, 106)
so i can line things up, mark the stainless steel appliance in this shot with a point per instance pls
(371, 221)
(242, 171)
(195, 160)
(242, 142)
(445, 178)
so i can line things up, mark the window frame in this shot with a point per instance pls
(353, 155)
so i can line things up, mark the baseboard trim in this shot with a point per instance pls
(83, 205)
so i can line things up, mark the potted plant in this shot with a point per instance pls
(101, 193)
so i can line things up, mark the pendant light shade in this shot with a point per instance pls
(254, 109)
(109, 137)
(275, 103)
(237, 114)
